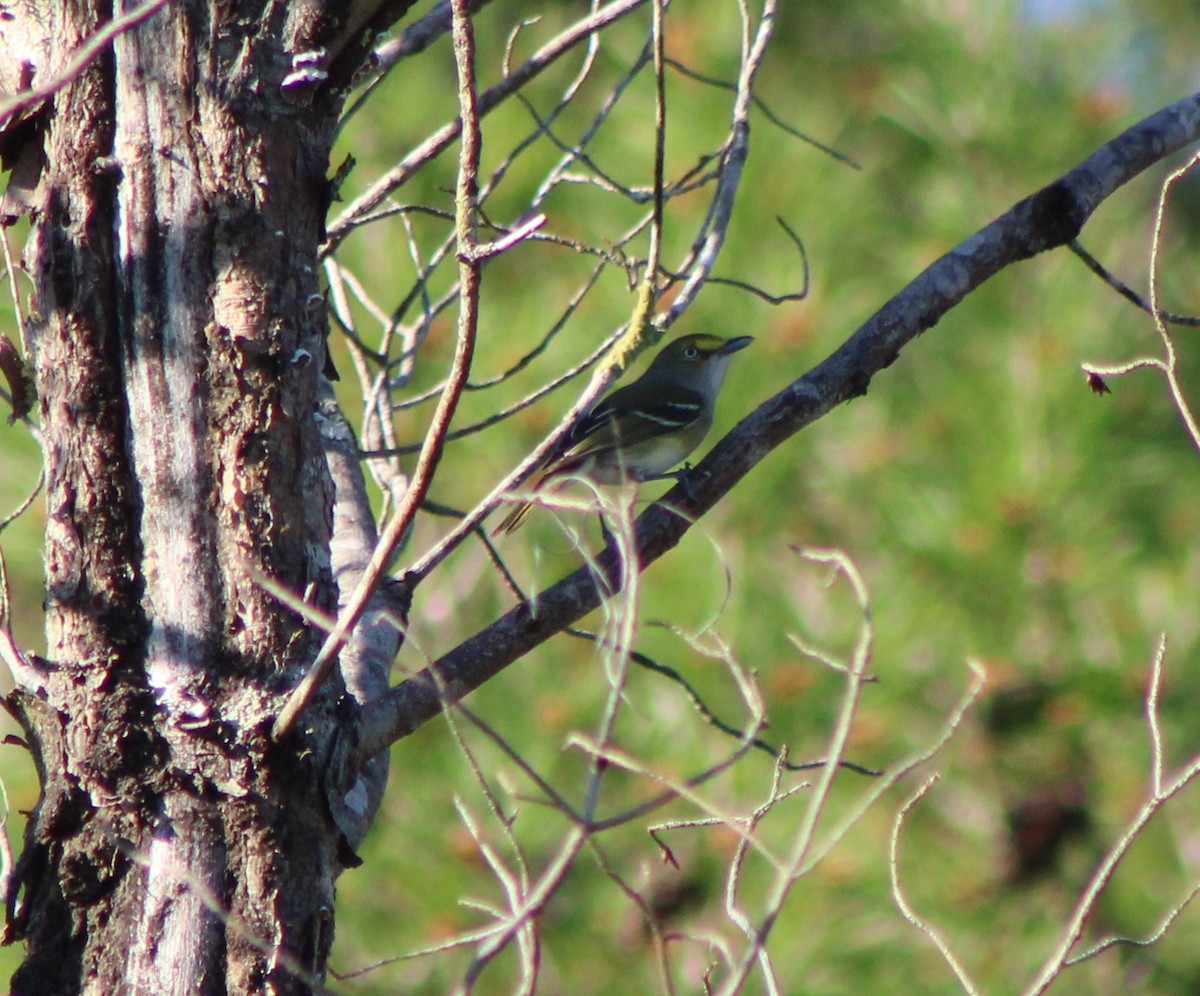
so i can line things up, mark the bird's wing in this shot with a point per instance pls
(596, 431)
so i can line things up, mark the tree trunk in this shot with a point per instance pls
(177, 339)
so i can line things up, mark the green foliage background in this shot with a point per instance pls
(997, 509)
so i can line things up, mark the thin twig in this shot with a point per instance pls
(675, 789)
(1161, 792)
(515, 884)
(650, 664)
(1138, 942)
(732, 164)
(860, 659)
(413, 40)
(769, 114)
(10, 270)
(1172, 365)
(78, 62)
(530, 399)
(650, 920)
(457, 941)
(576, 152)
(902, 903)
(579, 32)
(622, 618)
(1124, 289)
(1168, 364)
(759, 292)
(24, 673)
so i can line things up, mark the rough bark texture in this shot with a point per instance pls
(177, 340)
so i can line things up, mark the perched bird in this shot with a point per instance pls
(640, 431)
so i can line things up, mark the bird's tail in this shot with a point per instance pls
(512, 522)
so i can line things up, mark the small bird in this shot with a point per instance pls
(640, 431)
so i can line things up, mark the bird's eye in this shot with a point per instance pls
(691, 353)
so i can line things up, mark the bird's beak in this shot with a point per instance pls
(733, 345)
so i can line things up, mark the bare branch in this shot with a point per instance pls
(536, 897)
(365, 661)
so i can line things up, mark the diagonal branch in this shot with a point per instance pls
(1050, 218)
